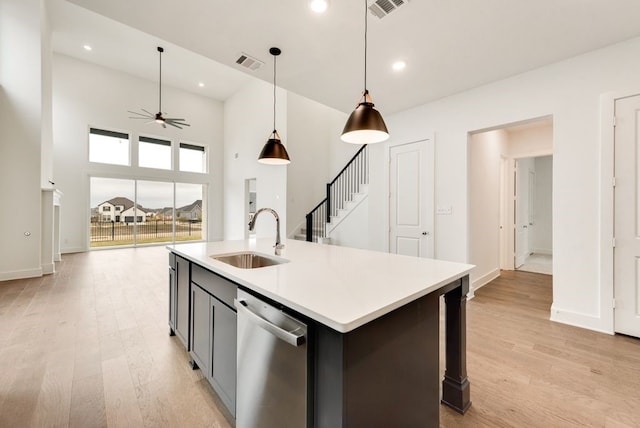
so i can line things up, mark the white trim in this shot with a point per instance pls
(72, 250)
(543, 251)
(20, 274)
(576, 319)
(484, 280)
(48, 268)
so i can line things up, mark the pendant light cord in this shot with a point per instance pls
(275, 58)
(365, 46)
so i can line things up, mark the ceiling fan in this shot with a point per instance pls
(158, 117)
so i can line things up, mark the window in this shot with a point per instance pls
(192, 158)
(154, 153)
(108, 147)
(145, 212)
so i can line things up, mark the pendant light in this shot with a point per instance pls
(274, 152)
(365, 124)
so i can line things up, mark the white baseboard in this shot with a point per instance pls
(57, 257)
(482, 281)
(48, 268)
(543, 251)
(576, 319)
(72, 250)
(20, 274)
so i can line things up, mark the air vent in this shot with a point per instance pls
(249, 62)
(382, 8)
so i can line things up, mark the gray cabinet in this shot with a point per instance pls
(181, 302)
(223, 373)
(213, 332)
(172, 298)
(201, 328)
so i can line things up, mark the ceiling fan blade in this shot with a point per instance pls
(178, 123)
(141, 117)
(148, 112)
(175, 119)
(174, 125)
(135, 112)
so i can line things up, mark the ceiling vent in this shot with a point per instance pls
(249, 62)
(382, 8)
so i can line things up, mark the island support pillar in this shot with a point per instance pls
(455, 385)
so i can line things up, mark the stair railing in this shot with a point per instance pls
(339, 191)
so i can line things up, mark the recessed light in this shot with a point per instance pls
(319, 6)
(399, 65)
(87, 48)
(201, 84)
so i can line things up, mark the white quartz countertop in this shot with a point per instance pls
(343, 288)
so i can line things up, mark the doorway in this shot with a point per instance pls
(532, 208)
(493, 156)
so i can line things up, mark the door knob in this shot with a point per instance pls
(425, 233)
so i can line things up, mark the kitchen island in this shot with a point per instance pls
(373, 325)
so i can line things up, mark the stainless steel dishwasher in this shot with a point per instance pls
(272, 366)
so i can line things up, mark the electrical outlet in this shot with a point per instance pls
(444, 210)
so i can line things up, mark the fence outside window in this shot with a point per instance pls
(109, 233)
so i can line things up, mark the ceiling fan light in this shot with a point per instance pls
(365, 126)
(274, 153)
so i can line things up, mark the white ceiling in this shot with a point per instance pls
(449, 45)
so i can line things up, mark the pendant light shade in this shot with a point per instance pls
(274, 152)
(365, 124)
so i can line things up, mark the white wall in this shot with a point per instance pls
(46, 145)
(353, 229)
(86, 95)
(530, 141)
(248, 121)
(316, 151)
(543, 236)
(570, 91)
(485, 153)
(21, 120)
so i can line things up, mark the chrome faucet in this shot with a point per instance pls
(279, 246)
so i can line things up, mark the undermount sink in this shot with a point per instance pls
(248, 260)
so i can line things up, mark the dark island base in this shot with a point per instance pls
(386, 373)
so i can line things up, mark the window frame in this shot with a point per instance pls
(123, 135)
(196, 147)
(159, 141)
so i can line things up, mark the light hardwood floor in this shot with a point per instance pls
(89, 347)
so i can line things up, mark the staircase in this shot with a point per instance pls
(345, 192)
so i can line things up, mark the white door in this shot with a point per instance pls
(627, 217)
(521, 211)
(411, 191)
(531, 210)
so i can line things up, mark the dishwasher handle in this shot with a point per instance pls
(290, 337)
